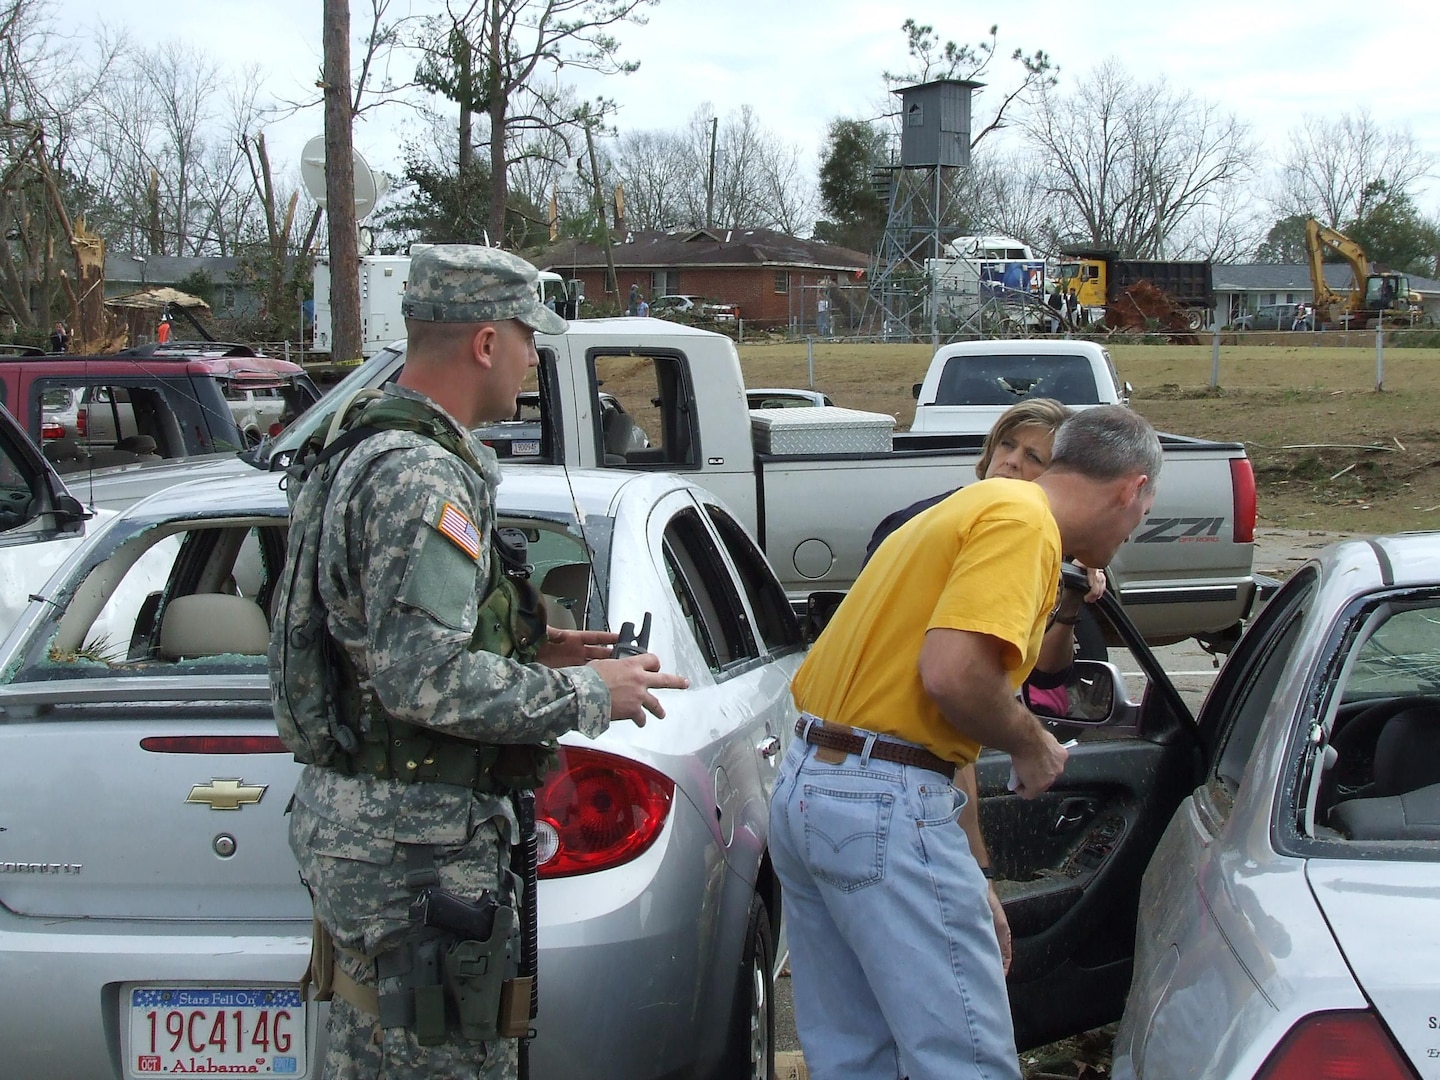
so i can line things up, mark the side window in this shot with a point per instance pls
(774, 618)
(643, 411)
(1268, 649)
(17, 495)
(706, 593)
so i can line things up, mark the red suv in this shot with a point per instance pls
(147, 403)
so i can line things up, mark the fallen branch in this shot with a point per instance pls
(1343, 471)
(1333, 446)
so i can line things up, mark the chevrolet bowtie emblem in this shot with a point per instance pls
(226, 794)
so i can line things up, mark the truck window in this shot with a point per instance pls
(643, 412)
(1008, 378)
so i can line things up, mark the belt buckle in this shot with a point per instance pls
(829, 755)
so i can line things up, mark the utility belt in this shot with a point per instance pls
(391, 749)
(457, 966)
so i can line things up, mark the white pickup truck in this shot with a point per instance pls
(970, 383)
(813, 483)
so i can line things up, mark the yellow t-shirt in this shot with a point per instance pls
(987, 559)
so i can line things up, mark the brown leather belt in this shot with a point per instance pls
(846, 740)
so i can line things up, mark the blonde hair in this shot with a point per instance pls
(1044, 413)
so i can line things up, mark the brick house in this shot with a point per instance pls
(774, 279)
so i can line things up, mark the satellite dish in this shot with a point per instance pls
(369, 185)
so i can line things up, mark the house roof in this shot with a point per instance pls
(1295, 277)
(640, 249)
(167, 269)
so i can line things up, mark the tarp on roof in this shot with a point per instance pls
(157, 300)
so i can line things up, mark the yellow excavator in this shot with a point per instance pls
(1374, 297)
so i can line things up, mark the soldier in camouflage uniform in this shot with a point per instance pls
(403, 561)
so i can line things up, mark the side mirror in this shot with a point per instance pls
(1093, 693)
(915, 390)
(69, 508)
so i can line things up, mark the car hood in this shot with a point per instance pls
(1383, 917)
(120, 488)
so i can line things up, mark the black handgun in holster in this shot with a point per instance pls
(463, 958)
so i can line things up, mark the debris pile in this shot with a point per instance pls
(1142, 308)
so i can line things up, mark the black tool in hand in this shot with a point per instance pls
(631, 643)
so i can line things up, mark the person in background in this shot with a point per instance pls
(59, 338)
(162, 332)
(642, 309)
(632, 306)
(895, 963)
(1056, 304)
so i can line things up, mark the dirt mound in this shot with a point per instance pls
(1143, 308)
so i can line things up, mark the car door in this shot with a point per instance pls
(1068, 863)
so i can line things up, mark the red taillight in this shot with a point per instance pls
(51, 430)
(1337, 1046)
(276, 428)
(81, 420)
(596, 811)
(214, 744)
(1242, 485)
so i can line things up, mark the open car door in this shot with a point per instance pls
(1068, 864)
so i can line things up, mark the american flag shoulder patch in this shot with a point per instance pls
(459, 530)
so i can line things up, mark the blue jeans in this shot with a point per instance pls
(895, 968)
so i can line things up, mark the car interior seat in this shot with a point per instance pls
(139, 444)
(616, 428)
(213, 624)
(566, 589)
(1405, 804)
(64, 451)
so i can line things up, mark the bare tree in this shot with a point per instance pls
(489, 55)
(932, 59)
(1337, 168)
(1137, 166)
(340, 182)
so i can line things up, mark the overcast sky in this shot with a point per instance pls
(800, 63)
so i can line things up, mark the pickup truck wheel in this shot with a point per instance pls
(1196, 318)
(252, 437)
(750, 1052)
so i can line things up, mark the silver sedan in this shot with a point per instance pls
(1286, 921)
(151, 916)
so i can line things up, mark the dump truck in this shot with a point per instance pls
(1100, 278)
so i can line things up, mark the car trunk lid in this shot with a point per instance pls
(1383, 917)
(112, 808)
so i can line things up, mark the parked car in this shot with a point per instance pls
(1286, 920)
(41, 523)
(1274, 317)
(677, 302)
(785, 398)
(133, 917)
(154, 401)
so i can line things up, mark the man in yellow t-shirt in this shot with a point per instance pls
(895, 963)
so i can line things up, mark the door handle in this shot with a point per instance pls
(769, 746)
(1072, 813)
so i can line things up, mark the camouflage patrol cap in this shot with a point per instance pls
(467, 283)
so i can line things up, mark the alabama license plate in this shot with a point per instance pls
(524, 447)
(216, 1029)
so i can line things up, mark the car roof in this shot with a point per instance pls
(545, 489)
(226, 365)
(1398, 561)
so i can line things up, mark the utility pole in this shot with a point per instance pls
(710, 178)
(612, 284)
(340, 185)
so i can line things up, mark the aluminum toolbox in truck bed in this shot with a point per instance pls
(823, 430)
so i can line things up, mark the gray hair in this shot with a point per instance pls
(1107, 442)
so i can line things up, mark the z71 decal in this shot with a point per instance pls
(1181, 531)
